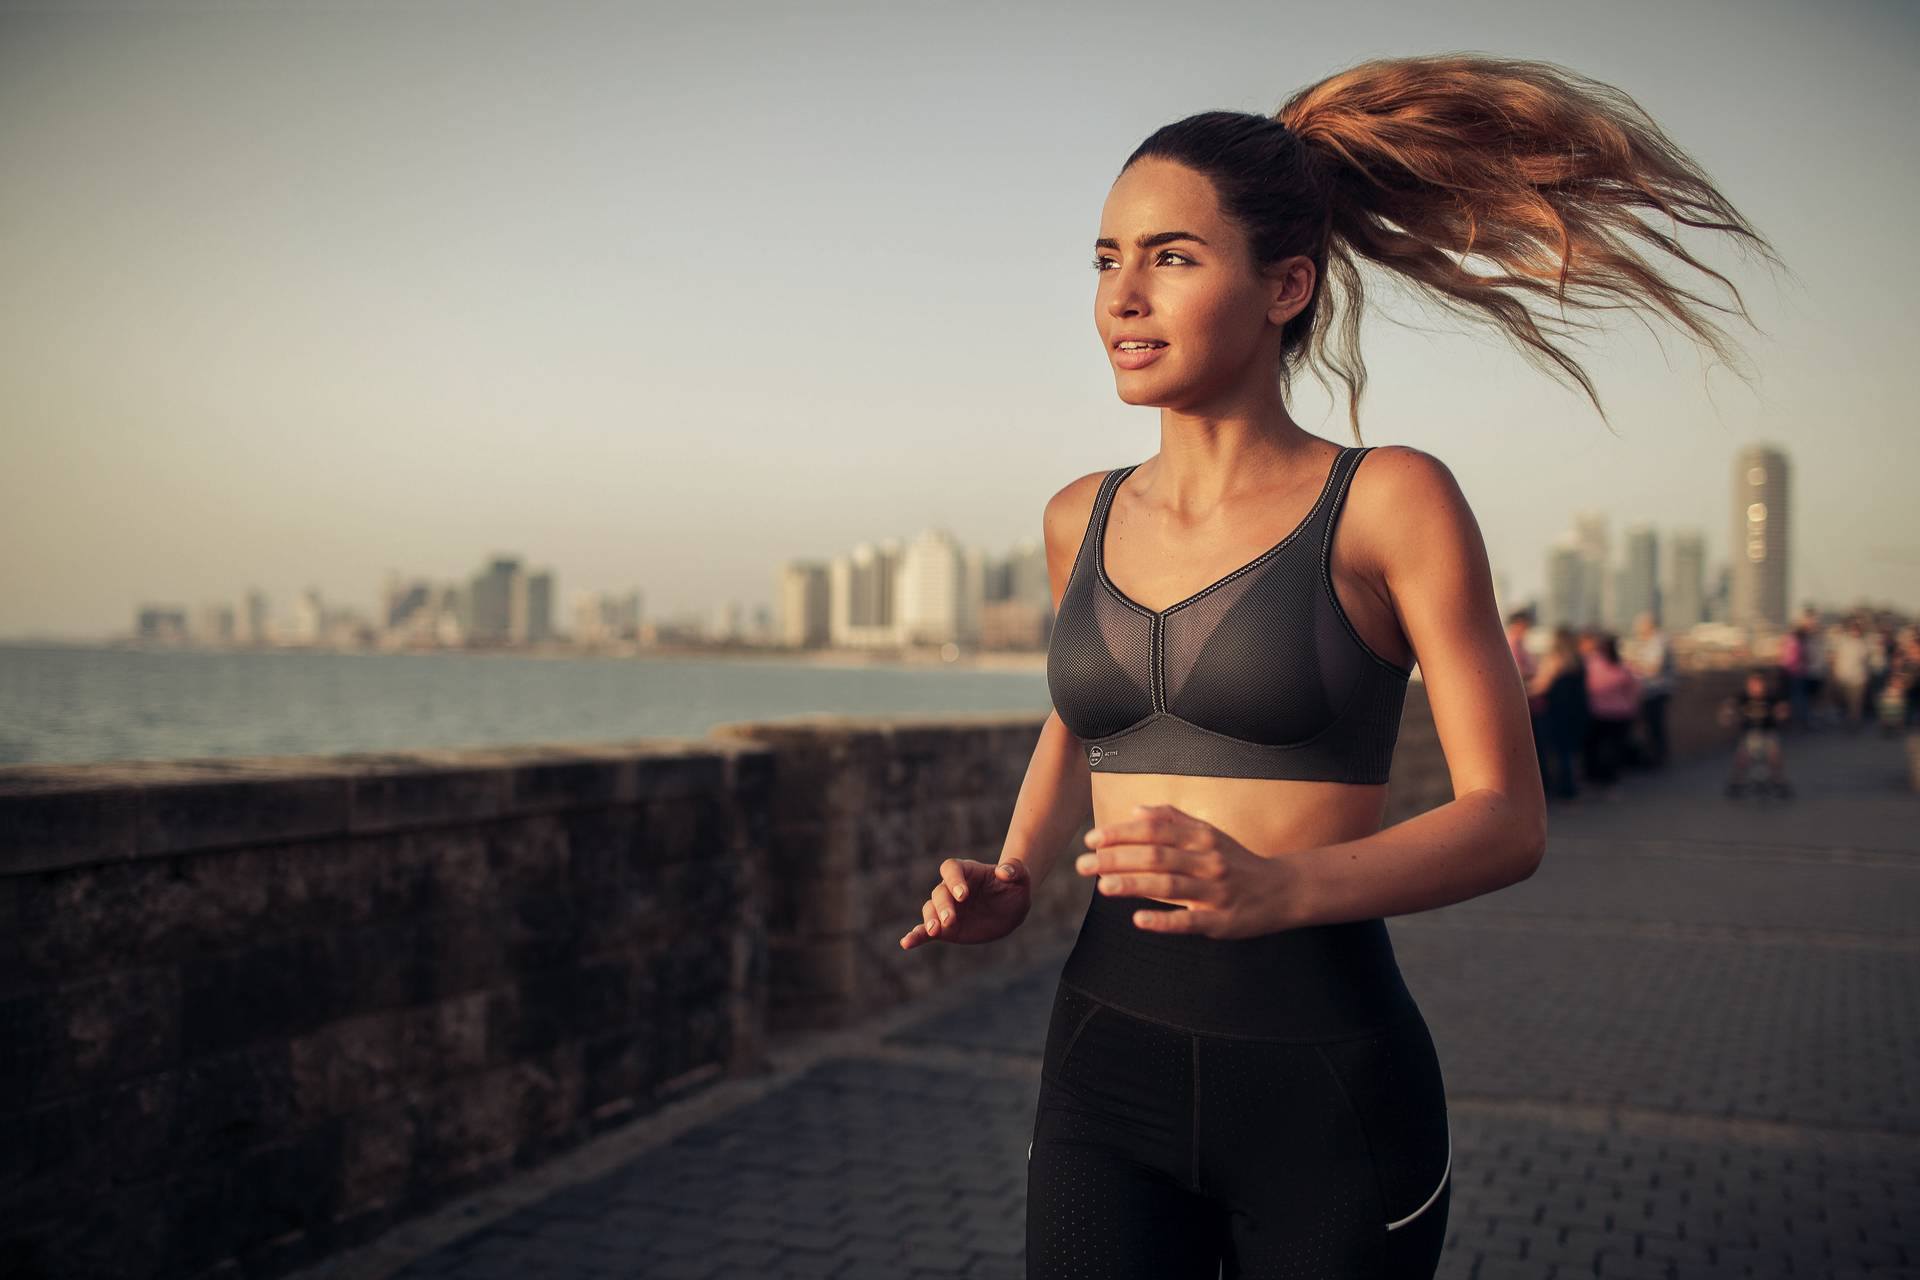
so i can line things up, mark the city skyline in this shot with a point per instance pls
(313, 290)
(888, 588)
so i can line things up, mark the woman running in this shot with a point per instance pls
(1235, 1078)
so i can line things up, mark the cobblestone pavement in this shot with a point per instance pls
(1684, 1048)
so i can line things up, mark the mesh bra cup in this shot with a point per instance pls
(1260, 675)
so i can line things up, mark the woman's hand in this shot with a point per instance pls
(974, 902)
(1163, 853)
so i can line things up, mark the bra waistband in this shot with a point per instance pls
(1320, 982)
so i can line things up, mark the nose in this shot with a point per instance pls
(1125, 301)
(1124, 296)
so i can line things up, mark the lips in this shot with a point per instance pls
(1136, 357)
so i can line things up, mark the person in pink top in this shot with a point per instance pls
(1613, 699)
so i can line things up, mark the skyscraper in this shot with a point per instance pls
(1596, 582)
(802, 590)
(1685, 603)
(1758, 585)
(493, 593)
(1637, 589)
(1566, 585)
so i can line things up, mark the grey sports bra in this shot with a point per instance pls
(1260, 675)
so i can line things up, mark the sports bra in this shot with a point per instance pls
(1260, 675)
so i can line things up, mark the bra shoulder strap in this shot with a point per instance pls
(1343, 468)
(1097, 518)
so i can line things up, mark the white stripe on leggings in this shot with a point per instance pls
(1436, 1190)
(1391, 1226)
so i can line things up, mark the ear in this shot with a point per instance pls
(1289, 287)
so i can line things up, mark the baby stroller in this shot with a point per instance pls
(1757, 714)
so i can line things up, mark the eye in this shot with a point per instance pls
(1101, 261)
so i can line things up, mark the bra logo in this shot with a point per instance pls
(1096, 754)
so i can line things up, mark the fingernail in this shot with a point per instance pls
(959, 895)
(1106, 884)
(946, 917)
(1085, 863)
(1093, 838)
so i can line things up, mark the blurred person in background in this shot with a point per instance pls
(1613, 704)
(1879, 662)
(1792, 665)
(1900, 699)
(1561, 683)
(1651, 658)
(1757, 716)
(1813, 668)
(1848, 665)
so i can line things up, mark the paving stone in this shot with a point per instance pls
(1681, 1049)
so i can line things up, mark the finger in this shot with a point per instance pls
(1137, 857)
(1010, 871)
(1164, 886)
(953, 876)
(914, 937)
(1148, 824)
(929, 919)
(942, 902)
(1177, 921)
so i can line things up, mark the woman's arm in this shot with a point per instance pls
(1056, 797)
(1056, 800)
(1418, 533)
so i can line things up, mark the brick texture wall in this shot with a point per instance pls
(253, 1011)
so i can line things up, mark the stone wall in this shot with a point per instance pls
(253, 1011)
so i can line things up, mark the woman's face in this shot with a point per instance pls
(1173, 270)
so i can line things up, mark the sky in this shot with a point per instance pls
(661, 297)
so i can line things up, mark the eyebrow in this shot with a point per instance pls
(1149, 241)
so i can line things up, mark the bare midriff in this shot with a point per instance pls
(1271, 817)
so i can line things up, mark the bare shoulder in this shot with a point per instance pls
(1065, 525)
(1404, 500)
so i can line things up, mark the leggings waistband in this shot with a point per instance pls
(1315, 983)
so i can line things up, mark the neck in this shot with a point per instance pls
(1206, 457)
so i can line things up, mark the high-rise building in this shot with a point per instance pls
(933, 589)
(492, 599)
(1685, 602)
(1027, 574)
(862, 587)
(257, 619)
(309, 617)
(216, 624)
(161, 624)
(1566, 592)
(1637, 588)
(1758, 586)
(403, 604)
(1596, 579)
(539, 608)
(601, 617)
(801, 591)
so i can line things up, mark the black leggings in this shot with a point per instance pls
(1165, 1151)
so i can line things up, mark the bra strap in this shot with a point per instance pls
(1344, 467)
